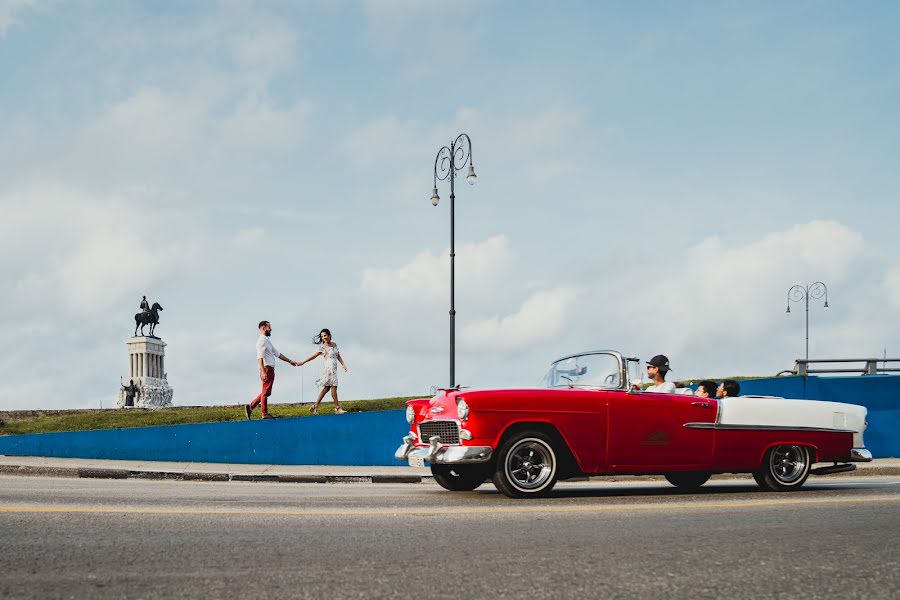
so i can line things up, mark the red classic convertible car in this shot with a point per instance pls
(591, 419)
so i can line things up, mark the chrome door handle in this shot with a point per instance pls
(702, 404)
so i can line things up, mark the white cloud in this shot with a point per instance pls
(250, 238)
(892, 286)
(256, 125)
(388, 18)
(425, 277)
(10, 11)
(405, 138)
(64, 247)
(176, 126)
(540, 318)
(263, 49)
(722, 305)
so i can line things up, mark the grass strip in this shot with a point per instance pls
(92, 419)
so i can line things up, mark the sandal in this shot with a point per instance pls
(339, 411)
(313, 409)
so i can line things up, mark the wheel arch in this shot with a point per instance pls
(568, 464)
(813, 450)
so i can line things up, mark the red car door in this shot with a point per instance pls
(647, 432)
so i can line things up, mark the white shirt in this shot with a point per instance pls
(666, 387)
(266, 351)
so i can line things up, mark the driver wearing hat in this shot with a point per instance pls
(657, 368)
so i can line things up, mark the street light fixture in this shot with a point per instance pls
(448, 161)
(801, 293)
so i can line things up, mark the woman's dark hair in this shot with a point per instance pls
(318, 339)
(732, 387)
(710, 387)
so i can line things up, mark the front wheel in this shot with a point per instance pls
(527, 465)
(688, 480)
(459, 478)
(784, 468)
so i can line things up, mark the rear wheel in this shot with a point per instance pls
(527, 465)
(459, 478)
(784, 468)
(688, 480)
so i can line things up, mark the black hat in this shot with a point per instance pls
(661, 362)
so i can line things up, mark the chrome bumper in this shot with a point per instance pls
(860, 455)
(443, 455)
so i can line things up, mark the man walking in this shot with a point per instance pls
(265, 356)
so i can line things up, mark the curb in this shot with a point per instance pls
(74, 472)
(93, 473)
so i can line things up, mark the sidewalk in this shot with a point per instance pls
(132, 469)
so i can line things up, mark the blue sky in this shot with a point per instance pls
(653, 177)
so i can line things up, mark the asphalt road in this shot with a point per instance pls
(88, 538)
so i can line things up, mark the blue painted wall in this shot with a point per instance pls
(369, 439)
(363, 439)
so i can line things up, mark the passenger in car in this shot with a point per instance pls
(728, 389)
(656, 370)
(706, 389)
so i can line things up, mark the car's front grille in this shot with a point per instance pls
(447, 430)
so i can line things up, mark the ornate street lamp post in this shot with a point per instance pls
(800, 293)
(448, 161)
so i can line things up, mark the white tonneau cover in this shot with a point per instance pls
(768, 411)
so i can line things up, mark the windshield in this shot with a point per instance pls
(586, 370)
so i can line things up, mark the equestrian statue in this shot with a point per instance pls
(149, 315)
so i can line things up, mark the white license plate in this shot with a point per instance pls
(415, 461)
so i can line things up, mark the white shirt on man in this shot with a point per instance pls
(266, 351)
(666, 387)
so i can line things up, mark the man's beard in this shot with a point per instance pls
(268, 333)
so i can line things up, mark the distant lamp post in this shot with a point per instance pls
(800, 293)
(448, 161)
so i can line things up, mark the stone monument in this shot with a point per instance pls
(146, 366)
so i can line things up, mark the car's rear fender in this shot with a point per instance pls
(813, 449)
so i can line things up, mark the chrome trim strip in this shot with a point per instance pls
(453, 455)
(860, 455)
(613, 352)
(763, 427)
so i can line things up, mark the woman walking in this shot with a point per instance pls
(328, 380)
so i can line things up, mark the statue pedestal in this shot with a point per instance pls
(147, 369)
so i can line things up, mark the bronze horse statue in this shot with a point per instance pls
(148, 317)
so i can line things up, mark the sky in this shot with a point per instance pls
(652, 178)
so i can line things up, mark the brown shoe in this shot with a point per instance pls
(247, 411)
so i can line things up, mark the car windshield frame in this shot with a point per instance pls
(620, 372)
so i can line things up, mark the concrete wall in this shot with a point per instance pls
(370, 438)
(363, 439)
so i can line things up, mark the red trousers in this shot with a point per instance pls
(263, 397)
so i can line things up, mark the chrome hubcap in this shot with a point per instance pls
(788, 463)
(529, 464)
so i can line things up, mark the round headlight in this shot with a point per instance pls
(462, 409)
(410, 414)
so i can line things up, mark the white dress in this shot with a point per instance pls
(329, 369)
